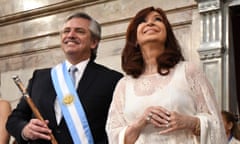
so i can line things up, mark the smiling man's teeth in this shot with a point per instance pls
(70, 42)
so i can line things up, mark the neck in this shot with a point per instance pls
(151, 50)
(150, 53)
(150, 69)
(75, 61)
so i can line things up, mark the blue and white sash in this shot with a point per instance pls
(71, 106)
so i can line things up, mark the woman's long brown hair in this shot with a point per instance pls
(132, 59)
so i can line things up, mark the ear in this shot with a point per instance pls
(94, 43)
(229, 125)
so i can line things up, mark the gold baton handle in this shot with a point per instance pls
(33, 107)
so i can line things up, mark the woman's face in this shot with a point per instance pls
(227, 125)
(152, 29)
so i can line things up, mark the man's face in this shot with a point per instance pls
(76, 39)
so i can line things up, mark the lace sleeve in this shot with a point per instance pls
(212, 130)
(115, 122)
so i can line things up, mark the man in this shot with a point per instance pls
(71, 115)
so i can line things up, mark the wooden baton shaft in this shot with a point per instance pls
(31, 104)
(38, 115)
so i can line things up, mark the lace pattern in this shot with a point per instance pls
(185, 90)
(148, 84)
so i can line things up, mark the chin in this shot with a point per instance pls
(69, 51)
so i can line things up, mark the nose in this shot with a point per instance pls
(71, 33)
(150, 23)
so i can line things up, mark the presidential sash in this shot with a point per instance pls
(71, 106)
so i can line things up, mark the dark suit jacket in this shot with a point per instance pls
(95, 91)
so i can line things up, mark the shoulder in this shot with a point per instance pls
(189, 65)
(124, 80)
(41, 75)
(192, 68)
(234, 141)
(4, 102)
(5, 105)
(104, 69)
(41, 72)
(121, 85)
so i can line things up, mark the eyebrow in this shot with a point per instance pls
(75, 28)
(157, 14)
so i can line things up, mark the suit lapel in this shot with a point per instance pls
(87, 79)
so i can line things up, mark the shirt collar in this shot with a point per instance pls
(81, 66)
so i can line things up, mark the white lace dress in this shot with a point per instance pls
(185, 90)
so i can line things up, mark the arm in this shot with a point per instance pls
(5, 110)
(118, 129)
(207, 108)
(116, 122)
(20, 119)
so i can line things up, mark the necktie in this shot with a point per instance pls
(72, 72)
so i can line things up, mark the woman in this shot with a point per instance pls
(162, 99)
(5, 110)
(231, 127)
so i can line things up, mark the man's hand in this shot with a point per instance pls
(36, 129)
